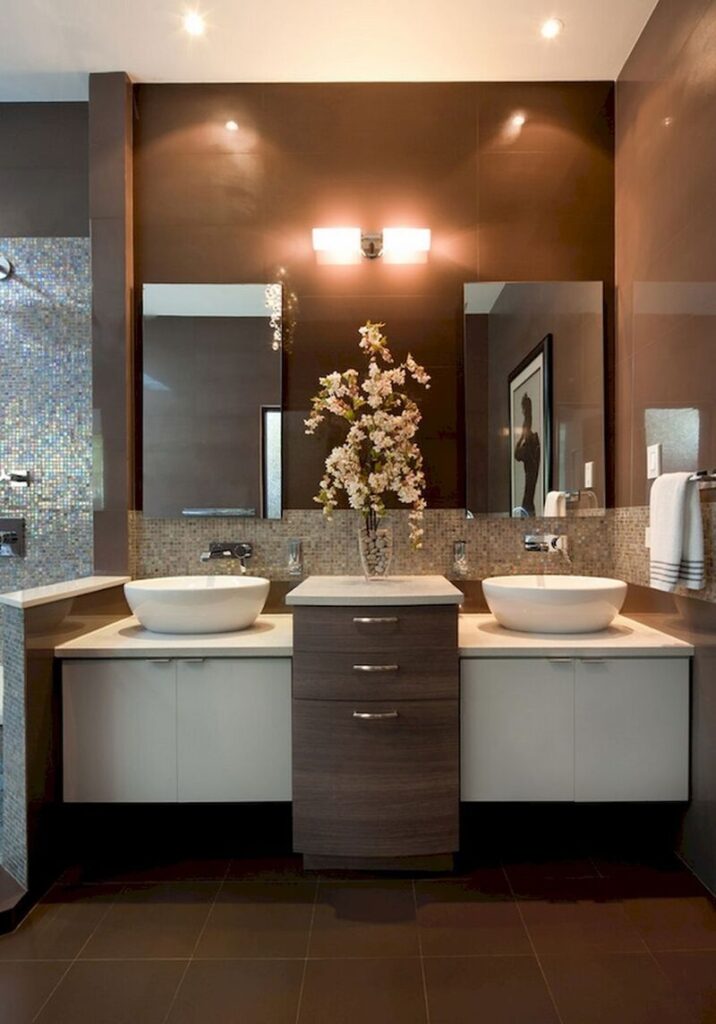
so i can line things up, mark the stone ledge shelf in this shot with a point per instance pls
(60, 591)
(356, 590)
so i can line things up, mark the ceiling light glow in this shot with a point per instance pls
(231, 126)
(519, 121)
(194, 23)
(551, 28)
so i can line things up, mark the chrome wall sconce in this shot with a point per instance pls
(6, 268)
(351, 245)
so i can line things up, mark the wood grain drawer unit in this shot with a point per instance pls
(389, 628)
(376, 674)
(377, 779)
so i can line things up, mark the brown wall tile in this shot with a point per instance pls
(666, 256)
(43, 169)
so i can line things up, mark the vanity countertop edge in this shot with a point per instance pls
(271, 636)
(357, 591)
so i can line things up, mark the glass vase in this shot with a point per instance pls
(376, 549)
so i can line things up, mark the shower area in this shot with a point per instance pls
(45, 416)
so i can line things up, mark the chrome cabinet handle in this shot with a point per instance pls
(374, 716)
(369, 620)
(560, 661)
(193, 661)
(159, 661)
(376, 668)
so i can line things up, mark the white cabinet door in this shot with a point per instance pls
(119, 731)
(234, 729)
(632, 729)
(517, 729)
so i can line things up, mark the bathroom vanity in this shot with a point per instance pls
(376, 708)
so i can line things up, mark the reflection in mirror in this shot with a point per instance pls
(212, 400)
(534, 398)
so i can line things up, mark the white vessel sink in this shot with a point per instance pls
(197, 604)
(554, 604)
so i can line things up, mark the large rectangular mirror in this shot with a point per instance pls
(534, 398)
(212, 400)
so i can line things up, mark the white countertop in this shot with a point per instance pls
(271, 636)
(61, 591)
(356, 590)
(481, 636)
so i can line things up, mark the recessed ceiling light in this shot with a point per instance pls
(194, 23)
(519, 120)
(551, 28)
(667, 122)
(231, 126)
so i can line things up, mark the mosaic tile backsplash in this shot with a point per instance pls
(612, 545)
(46, 407)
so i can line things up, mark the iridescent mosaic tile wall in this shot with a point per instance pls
(172, 546)
(46, 407)
(612, 545)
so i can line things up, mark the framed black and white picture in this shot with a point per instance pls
(530, 387)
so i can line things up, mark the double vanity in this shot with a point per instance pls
(376, 708)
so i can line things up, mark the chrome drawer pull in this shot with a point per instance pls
(159, 661)
(193, 661)
(376, 668)
(560, 661)
(370, 620)
(374, 716)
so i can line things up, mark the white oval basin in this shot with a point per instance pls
(554, 604)
(197, 604)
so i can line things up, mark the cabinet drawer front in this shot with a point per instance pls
(376, 675)
(375, 778)
(389, 628)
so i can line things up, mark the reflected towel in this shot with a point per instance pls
(676, 535)
(555, 505)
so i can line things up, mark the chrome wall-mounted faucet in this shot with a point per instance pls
(241, 551)
(548, 543)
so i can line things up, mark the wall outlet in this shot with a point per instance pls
(589, 475)
(653, 461)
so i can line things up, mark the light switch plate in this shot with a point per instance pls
(589, 475)
(653, 461)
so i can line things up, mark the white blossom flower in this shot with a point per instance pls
(379, 455)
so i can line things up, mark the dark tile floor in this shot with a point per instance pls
(580, 941)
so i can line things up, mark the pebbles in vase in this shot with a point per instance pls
(376, 551)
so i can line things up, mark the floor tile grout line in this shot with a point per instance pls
(75, 959)
(198, 939)
(420, 953)
(308, 949)
(533, 947)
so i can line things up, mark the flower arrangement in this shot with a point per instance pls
(379, 455)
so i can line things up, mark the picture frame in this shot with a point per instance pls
(530, 406)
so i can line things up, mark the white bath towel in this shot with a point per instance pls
(676, 535)
(555, 504)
